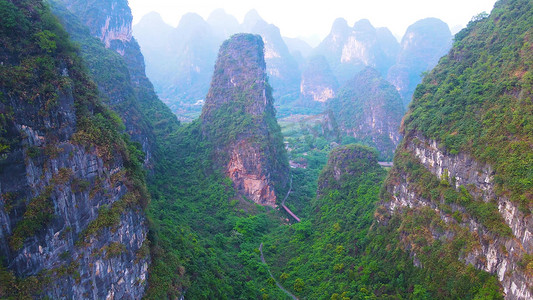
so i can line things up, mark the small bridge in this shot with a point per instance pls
(385, 163)
(285, 207)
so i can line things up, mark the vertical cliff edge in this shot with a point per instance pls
(467, 155)
(72, 188)
(238, 118)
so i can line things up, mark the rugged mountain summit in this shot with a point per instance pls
(121, 79)
(72, 187)
(350, 49)
(238, 118)
(370, 109)
(466, 158)
(423, 44)
(182, 69)
(181, 72)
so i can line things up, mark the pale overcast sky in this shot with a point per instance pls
(305, 18)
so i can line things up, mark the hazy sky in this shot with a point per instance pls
(305, 18)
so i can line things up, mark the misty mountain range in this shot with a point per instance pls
(180, 60)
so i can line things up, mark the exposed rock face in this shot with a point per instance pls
(423, 44)
(496, 254)
(349, 50)
(56, 180)
(318, 82)
(132, 97)
(248, 175)
(443, 166)
(111, 22)
(369, 108)
(238, 118)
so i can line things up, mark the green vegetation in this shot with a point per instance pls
(370, 108)
(337, 253)
(204, 238)
(440, 192)
(478, 99)
(40, 68)
(308, 148)
(39, 211)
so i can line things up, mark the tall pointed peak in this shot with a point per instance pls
(238, 119)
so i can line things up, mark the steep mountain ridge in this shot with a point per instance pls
(72, 186)
(350, 49)
(238, 119)
(111, 22)
(369, 109)
(460, 162)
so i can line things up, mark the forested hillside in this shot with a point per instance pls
(467, 156)
(72, 184)
(104, 194)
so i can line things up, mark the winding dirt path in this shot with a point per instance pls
(277, 283)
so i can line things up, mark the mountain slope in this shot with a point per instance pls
(467, 153)
(72, 186)
(239, 120)
(111, 22)
(350, 49)
(340, 251)
(369, 109)
(423, 44)
(318, 82)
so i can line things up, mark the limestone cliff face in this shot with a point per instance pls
(71, 220)
(460, 162)
(121, 78)
(110, 21)
(350, 49)
(370, 109)
(238, 118)
(318, 82)
(495, 253)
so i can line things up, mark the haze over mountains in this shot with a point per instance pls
(180, 60)
(104, 194)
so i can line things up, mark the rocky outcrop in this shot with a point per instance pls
(459, 160)
(71, 219)
(132, 96)
(248, 175)
(238, 119)
(350, 49)
(318, 82)
(423, 44)
(111, 23)
(496, 254)
(369, 108)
